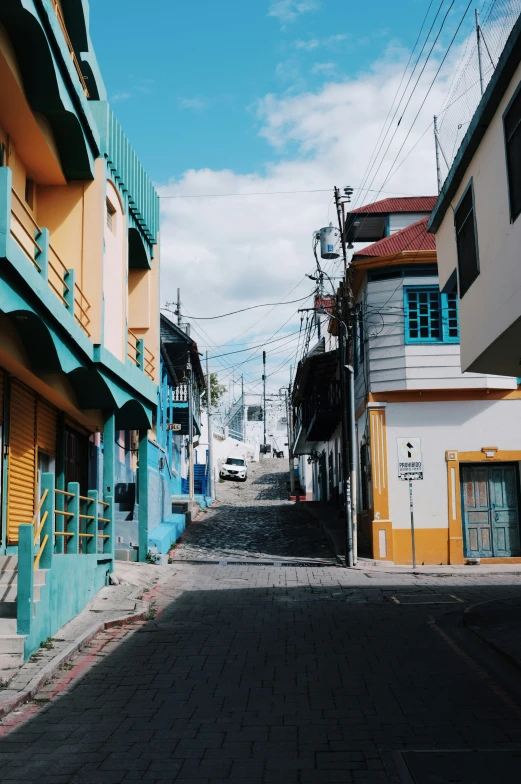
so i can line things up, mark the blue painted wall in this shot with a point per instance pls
(71, 583)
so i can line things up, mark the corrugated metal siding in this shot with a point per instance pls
(402, 220)
(22, 459)
(46, 427)
(413, 237)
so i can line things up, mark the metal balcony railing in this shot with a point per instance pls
(34, 241)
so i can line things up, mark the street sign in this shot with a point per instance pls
(174, 426)
(410, 462)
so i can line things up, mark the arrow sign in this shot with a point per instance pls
(410, 462)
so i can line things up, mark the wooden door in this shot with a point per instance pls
(77, 459)
(490, 510)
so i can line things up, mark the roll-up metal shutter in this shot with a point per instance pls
(46, 417)
(21, 475)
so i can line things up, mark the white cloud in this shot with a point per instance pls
(316, 43)
(226, 253)
(122, 96)
(195, 104)
(289, 10)
(323, 68)
(313, 43)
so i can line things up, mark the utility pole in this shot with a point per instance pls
(210, 485)
(480, 61)
(349, 446)
(436, 143)
(190, 431)
(290, 436)
(178, 311)
(243, 409)
(264, 396)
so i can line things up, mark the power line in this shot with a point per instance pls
(374, 155)
(242, 310)
(264, 193)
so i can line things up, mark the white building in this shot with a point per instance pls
(409, 385)
(477, 223)
(245, 421)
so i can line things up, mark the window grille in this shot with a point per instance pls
(430, 317)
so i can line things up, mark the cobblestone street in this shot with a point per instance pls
(252, 673)
(254, 521)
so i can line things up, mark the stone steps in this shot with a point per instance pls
(12, 643)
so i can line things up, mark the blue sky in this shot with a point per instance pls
(263, 96)
(185, 77)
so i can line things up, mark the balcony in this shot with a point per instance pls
(317, 416)
(140, 355)
(61, 20)
(34, 241)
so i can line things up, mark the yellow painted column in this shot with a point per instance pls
(382, 527)
(454, 510)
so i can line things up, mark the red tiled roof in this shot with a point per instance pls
(399, 204)
(413, 237)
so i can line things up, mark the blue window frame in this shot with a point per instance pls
(430, 316)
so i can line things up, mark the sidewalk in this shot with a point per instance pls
(331, 520)
(113, 605)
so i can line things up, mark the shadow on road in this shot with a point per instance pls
(271, 531)
(268, 684)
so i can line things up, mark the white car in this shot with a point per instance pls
(234, 468)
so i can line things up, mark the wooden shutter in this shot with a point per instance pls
(46, 416)
(21, 475)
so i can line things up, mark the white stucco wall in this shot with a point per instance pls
(464, 426)
(493, 302)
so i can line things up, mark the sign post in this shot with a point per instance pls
(410, 468)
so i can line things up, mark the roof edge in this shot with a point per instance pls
(483, 116)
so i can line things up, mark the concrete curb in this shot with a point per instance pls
(62, 657)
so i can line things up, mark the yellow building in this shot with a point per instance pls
(79, 315)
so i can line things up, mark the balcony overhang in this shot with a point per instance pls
(50, 87)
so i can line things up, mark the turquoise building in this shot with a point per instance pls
(80, 365)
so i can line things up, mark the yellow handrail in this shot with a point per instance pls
(40, 551)
(40, 527)
(40, 504)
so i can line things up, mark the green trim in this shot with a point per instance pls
(143, 496)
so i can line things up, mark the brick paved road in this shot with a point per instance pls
(254, 521)
(255, 674)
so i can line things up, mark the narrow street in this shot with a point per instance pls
(287, 674)
(254, 521)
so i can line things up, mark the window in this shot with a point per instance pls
(466, 241)
(430, 317)
(111, 217)
(512, 129)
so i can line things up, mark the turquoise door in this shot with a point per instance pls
(490, 510)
